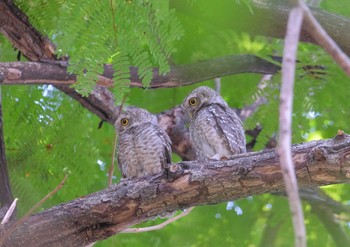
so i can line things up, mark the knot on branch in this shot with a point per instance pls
(13, 74)
(317, 154)
(330, 150)
(341, 135)
(174, 171)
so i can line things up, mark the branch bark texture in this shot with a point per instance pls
(181, 75)
(108, 212)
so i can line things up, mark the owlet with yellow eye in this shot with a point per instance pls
(143, 148)
(216, 132)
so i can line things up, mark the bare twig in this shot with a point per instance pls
(111, 168)
(9, 212)
(249, 110)
(31, 211)
(285, 120)
(160, 226)
(323, 39)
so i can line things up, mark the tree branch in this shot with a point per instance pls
(266, 13)
(105, 213)
(181, 75)
(271, 230)
(14, 24)
(324, 207)
(285, 123)
(317, 196)
(340, 237)
(324, 40)
(6, 197)
(268, 18)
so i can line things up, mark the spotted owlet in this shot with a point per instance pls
(143, 148)
(216, 132)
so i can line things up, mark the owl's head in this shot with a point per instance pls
(199, 98)
(132, 116)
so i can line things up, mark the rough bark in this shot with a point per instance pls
(14, 24)
(182, 75)
(105, 213)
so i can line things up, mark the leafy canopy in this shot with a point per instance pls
(48, 134)
(122, 33)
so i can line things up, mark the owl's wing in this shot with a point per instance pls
(230, 126)
(166, 143)
(123, 153)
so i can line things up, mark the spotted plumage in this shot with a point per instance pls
(216, 132)
(143, 148)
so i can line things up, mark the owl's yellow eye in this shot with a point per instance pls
(124, 121)
(193, 101)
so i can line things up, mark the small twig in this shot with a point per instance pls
(249, 110)
(323, 39)
(9, 212)
(35, 207)
(285, 123)
(111, 168)
(160, 226)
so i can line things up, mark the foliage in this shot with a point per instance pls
(137, 33)
(46, 143)
(48, 134)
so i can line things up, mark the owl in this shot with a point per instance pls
(143, 148)
(216, 132)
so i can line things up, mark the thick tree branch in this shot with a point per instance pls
(55, 74)
(105, 213)
(15, 26)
